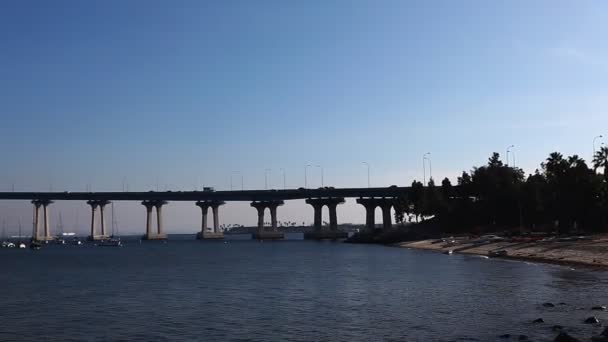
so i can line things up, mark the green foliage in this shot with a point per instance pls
(564, 194)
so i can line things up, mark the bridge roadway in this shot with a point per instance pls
(370, 198)
(246, 195)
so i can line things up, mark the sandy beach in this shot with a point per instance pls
(592, 252)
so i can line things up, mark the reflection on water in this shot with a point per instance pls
(290, 290)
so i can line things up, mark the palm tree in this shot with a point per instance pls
(601, 160)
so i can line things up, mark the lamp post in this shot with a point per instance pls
(306, 176)
(283, 171)
(366, 163)
(594, 139)
(424, 158)
(266, 178)
(509, 150)
(321, 167)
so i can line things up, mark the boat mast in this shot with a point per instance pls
(60, 224)
(113, 221)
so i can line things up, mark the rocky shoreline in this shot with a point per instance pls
(592, 252)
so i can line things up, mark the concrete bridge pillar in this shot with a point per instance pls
(261, 218)
(149, 205)
(333, 216)
(93, 205)
(102, 205)
(318, 216)
(261, 207)
(216, 218)
(370, 205)
(159, 219)
(319, 232)
(47, 230)
(204, 210)
(150, 234)
(387, 222)
(36, 229)
(37, 233)
(215, 233)
(273, 217)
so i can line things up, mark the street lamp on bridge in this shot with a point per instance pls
(424, 159)
(306, 176)
(594, 139)
(509, 150)
(321, 167)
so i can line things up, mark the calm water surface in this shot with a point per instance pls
(284, 291)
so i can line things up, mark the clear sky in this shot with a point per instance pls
(183, 93)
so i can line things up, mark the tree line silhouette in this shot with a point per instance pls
(565, 195)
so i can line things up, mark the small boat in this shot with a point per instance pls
(110, 243)
(113, 241)
(35, 245)
(449, 252)
(10, 245)
(22, 245)
(499, 253)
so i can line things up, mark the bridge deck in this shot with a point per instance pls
(247, 195)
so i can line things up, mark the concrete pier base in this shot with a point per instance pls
(268, 236)
(209, 236)
(155, 237)
(325, 235)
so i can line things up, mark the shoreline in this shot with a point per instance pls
(592, 253)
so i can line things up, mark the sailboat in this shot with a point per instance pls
(60, 240)
(21, 243)
(112, 241)
(6, 243)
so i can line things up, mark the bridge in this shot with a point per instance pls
(153, 201)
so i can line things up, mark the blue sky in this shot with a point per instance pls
(183, 93)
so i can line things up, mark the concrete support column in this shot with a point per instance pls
(36, 229)
(273, 217)
(370, 205)
(261, 210)
(387, 222)
(159, 218)
(204, 209)
(318, 218)
(216, 218)
(93, 205)
(102, 204)
(333, 216)
(47, 230)
(370, 217)
(149, 205)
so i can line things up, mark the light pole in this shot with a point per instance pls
(424, 158)
(306, 176)
(321, 167)
(266, 178)
(594, 139)
(366, 163)
(283, 171)
(509, 150)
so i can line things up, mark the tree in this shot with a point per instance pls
(600, 160)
